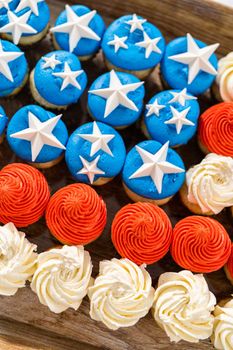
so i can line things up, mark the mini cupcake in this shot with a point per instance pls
(172, 116)
(142, 232)
(215, 130)
(24, 194)
(25, 22)
(189, 63)
(209, 185)
(60, 71)
(223, 87)
(133, 45)
(200, 244)
(153, 173)
(37, 136)
(13, 69)
(3, 123)
(95, 153)
(78, 30)
(229, 266)
(116, 99)
(76, 215)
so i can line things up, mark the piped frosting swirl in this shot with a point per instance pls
(224, 77)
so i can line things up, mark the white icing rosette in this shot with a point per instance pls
(17, 259)
(182, 306)
(224, 77)
(121, 294)
(210, 183)
(62, 277)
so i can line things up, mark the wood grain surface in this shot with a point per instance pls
(24, 323)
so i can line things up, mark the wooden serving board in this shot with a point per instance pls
(24, 322)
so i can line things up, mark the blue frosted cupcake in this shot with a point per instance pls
(58, 80)
(189, 63)
(153, 173)
(116, 98)
(78, 30)
(3, 123)
(95, 153)
(172, 116)
(134, 45)
(37, 136)
(25, 22)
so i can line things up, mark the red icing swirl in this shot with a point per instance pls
(230, 263)
(24, 194)
(141, 232)
(216, 129)
(76, 214)
(200, 244)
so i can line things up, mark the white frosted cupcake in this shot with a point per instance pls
(223, 87)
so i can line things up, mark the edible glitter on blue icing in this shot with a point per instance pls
(22, 148)
(85, 46)
(77, 146)
(176, 73)
(144, 186)
(121, 116)
(132, 58)
(162, 132)
(18, 67)
(49, 86)
(3, 120)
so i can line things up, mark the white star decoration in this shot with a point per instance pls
(69, 77)
(154, 108)
(90, 169)
(39, 134)
(18, 26)
(50, 62)
(32, 4)
(5, 58)
(77, 27)
(179, 119)
(196, 58)
(181, 97)
(118, 42)
(98, 140)
(149, 44)
(4, 4)
(135, 23)
(155, 166)
(116, 94)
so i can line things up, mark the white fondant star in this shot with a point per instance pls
(116, 94)
(90, 168)
(118, 42)
(32, 4)
(155, 166)
(181, 97)
(69, 77)
(39, 134)
(149, 44)
(135, 23)
(5, 58)
(50, 62)
(77, 27)
(18, 26)
(179, 119)
(196, 58)
(154, 108)
(4, 4)
(98, 140)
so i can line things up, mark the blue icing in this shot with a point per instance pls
(44, 78)
(3, 120)
(162, 132)
(18, 67)
(176, 73)
(22, 148)
(85, 46)
(132, 58)
(77, 146)
(144, 186)
(12, 5)
(121, 116)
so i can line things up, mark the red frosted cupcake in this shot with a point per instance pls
(24, 194)
(76, 214)
(200, 244)
(141, 232)
(229, 266)
(215, 131)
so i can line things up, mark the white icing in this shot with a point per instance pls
(62, 277)
(17, 259)
(225, 77)
(118, 43)
(179, 119)
(155, 166)
(5, 58)
(149, 44)
(90, 169)
(69, 77)
(222, 337)
(121, 294)
(39, 134)
(32, 4)
(181, 97)
(154, 108)
(135, 23)
(50, 62)
(5, 4)
(196, 58)
(210, 183)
